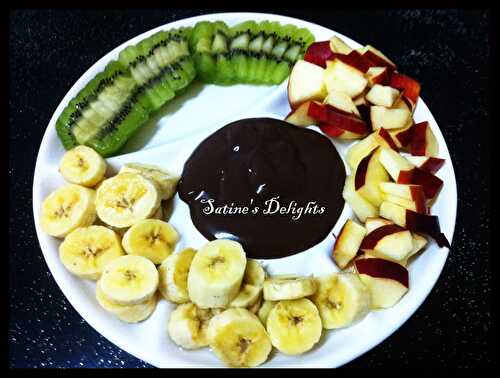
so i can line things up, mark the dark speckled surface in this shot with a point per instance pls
(448, 51)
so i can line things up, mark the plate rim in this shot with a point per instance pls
(99, 65)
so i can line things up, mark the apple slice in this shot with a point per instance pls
(393, 212)
(426, 163)
(347, 243)
(377, 75)
(409, 86)
(389, 118)
(361, 207)
(423, 142)
(340, 100)
(382, 95)
(413, 193)
(328, 114)
(361, 149)
(390, 242)
(387, 281)
(402, 137)
(407, 204)
(299, 117)
(355, 60)
(376, 222)
(416, 176)
(377, 58)
(345, 78)
(334, 131)
(337, 45)
(394, 163)
(369, 174)
(318, 53)
(419, 242)
(385, 139)
(305, 83)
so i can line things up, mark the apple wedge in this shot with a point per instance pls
(337, 45)
(389, 118)
(347, 243)
(345, 78)
(402, 137)
(334, 131)
(342, 101)
(390, 242)
(355, 60)
(426, 163)
(423, 141)
(305, 83)
(387, 281)
(416, 176)
(361, 149)
(378, 58)
(299, 117)
(375, 222)
(377, 75)
(318, 53)
(385, 139)
(368, 177)
(359, 205)
(419, 242)
(409, 86)
(415, 222)
(407, 204)
(382, 95)
(327, 114)
(394, 163)
(412, 193)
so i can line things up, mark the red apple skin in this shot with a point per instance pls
(356, 60)
(405, 137)
(318, 53)
(418, 146)
(384, 134)
(371, 240)
(331, 130)
(431, 183)
(426, 224)
(418, 196)
(381, 268)
(382, 78)
(360, 176)
(378, 61)
(432, 165)
(330, 115)
(410, 87)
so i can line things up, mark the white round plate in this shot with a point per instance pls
(168, 140)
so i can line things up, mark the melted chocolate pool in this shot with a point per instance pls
(248, 164)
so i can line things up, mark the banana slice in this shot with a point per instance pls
(174, 275)
(126, 199)
(294, 326)
(129, 280)
(67, 208)
(264, 311)
(216, 273)
(247, 296)
(150, 238)
(342, 300)
(254, 273)
(83, 166)
(166, 180)
(254, 309)
(188, 324)
(131, 313)
(238, 338)
(86, 251)
(283, 287)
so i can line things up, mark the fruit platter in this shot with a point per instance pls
(245, 190)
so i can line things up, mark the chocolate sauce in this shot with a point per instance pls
(233, 179)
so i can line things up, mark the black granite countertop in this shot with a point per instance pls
(448, 51)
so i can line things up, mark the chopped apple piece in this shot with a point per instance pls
(416, 176)
(419, 242)
(409, 86)
(377, 58)
(387, 281)
(334, 131)
(426, 163)
(305, 83)
(355, 60)
(402, 137)
(375, 222)
(345, 78)
(327, 114)
(377, 75)
(393, 212)
(318, 53)
(423, 141)
(394, 163)
(347, 243)
(299, 117)
(413, 193)
(389, 118)
(340, 100)
(361, 149)
(406, 203)
(337, 45)
(382, 95)
(390, 242)
(385, 139)
(369, 174)
(361, 207)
